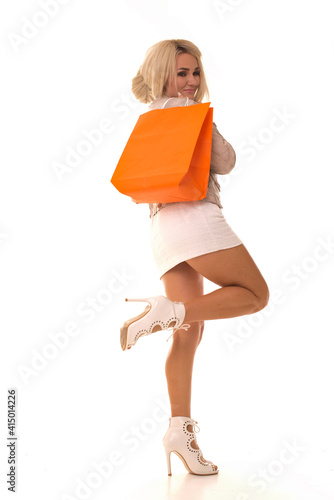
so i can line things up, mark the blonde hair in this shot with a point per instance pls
(160, 64)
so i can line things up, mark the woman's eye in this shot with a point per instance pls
(184, 74)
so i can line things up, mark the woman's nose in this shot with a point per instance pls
(191, 80)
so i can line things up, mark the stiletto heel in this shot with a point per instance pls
(178, 439)
(168, 454)
(137, 300)
(160, 314)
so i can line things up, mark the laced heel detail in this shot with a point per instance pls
(185, 326)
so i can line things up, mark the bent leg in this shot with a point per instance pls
(243, 288)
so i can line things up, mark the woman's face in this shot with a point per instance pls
(188, 77)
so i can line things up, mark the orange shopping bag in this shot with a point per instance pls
(167, 157)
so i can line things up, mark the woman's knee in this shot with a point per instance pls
(201, 329)
(262, 298)
(191, 337)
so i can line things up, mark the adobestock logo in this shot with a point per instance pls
(255, 144)
(265, 136)
(93, 138)
(3, 236)
(131, 440)
(223, 8)
(294, 277)
(276, 467)
(58, 341)
(301, 272)
(31, 27)
(96, 304)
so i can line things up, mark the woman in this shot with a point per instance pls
(190, 241)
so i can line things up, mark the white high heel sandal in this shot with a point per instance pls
(178, 439)
(160, 314)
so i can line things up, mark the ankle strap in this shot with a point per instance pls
(176, 328)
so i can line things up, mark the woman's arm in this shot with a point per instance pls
(223, 156)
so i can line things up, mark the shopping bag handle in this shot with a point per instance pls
(164, 104)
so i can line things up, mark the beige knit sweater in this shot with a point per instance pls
(222, 155)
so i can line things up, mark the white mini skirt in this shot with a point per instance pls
(185, 230)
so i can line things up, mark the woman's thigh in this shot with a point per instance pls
(232, 267)
(182, 283)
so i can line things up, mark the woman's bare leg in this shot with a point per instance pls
(181, 284)
(244, 290)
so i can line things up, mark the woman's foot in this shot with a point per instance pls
(195, 445)
(160, 314)
(180, 439)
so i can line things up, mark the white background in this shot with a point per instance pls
(261, 382)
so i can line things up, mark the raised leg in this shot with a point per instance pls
(243, 288)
